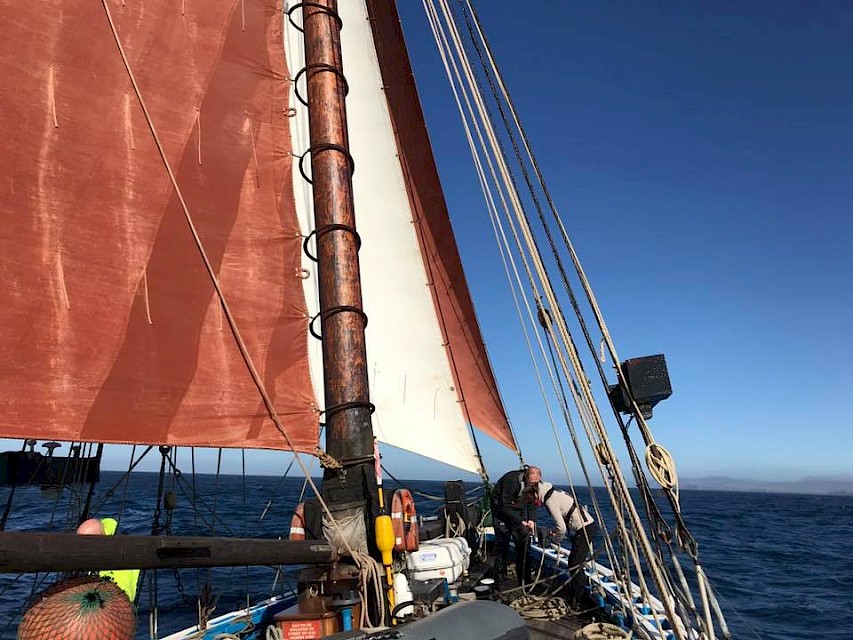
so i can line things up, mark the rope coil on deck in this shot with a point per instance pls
(600, 631)
(540, 608)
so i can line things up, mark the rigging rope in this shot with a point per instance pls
(580, 386)
(606, 338)
(506, 179)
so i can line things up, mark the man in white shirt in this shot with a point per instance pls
(569, 515)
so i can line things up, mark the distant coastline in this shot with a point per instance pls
(811, 486)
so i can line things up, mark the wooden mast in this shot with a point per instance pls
(349, 433)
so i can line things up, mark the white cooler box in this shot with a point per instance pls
(444, 558)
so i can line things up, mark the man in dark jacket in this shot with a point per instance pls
(515, 508)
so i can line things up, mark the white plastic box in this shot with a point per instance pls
(444, 558)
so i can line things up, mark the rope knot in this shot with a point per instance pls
(328, 461)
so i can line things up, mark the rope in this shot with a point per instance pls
(600, 631)
(274, 633)
(662, 467)
(606, 339)
(454, 530)
(540, 608)
(327, 460)
(370, 571)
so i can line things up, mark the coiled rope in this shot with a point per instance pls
(370, 571)
(662, 467)
(600, 631)
(540, 608)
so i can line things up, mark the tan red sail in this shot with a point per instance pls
(111, 330)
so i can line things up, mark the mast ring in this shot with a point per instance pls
(313, 5)
(331, 311)
(337, 408)
(325, 146)
(329, 227)
(320, 66)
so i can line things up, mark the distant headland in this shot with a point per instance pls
(837, 486)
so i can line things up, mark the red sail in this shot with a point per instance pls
(472, 372)
(111, 328)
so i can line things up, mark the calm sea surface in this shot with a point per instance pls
(782, 564)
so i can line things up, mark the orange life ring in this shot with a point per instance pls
(297, 523)
(404, 520)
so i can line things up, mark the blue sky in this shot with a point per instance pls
(701, 154)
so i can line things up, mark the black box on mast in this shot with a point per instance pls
(648, 380)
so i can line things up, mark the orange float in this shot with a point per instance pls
(80, 609)
(297, 523)
(404, 519)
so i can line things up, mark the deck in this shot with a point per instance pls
(540, 629)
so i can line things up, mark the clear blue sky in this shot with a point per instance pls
(702, 155)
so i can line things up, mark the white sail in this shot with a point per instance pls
(411, 383)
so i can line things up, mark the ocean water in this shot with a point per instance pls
(782, 564)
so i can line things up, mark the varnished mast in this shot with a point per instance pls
(349, 433)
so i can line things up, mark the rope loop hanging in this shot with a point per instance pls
(662, 467)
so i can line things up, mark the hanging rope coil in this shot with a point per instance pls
(371, 573)
(662, 467)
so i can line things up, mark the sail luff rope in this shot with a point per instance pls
(542, 274)
(232, 323)
(507, 255)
